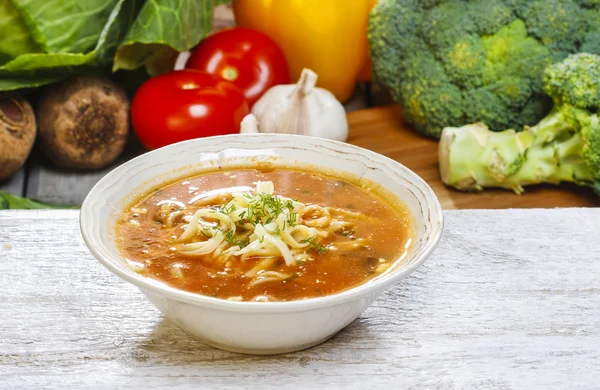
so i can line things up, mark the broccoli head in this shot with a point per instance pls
(484, 58)
(563, 147)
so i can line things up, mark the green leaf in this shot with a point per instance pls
(3, 203)
(36, 69)
(15, 38)
(66, 25)
(43, 41)
(162, 29)
(8, 201)
(36, 61)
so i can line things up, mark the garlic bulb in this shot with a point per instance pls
(301, 109)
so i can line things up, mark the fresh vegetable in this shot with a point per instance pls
(83, 122)
(453, 62)
(8, 201)
(186, 104)
(249, 59)
(562, 147)
(17, 134)
(366, 73)
(301, 109)
(45, 41)
(327, 36)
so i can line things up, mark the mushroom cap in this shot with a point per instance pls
(84, 122)
(17, 134)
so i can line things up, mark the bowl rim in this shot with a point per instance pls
(376, 285)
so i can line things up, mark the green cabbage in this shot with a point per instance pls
(43, 41)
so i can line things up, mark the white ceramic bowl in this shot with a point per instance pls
(256, 327)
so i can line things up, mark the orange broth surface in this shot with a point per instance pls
(385, 229)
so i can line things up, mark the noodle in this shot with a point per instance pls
(269, 276)
(275, 226)
(262, 265)
(321, 221)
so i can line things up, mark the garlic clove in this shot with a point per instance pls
(249, 125)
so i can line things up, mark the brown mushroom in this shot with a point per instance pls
(83, 122)
(17, 134)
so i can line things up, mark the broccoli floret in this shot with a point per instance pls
(558, 24)
(574, 81)
(563, 147)
(490, 52)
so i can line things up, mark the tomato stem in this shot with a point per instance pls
(230, 73)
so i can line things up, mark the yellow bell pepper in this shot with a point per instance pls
(326, 36)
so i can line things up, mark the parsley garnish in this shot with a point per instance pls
(265, 208)
(231, 238)
(227, 209)
(319, 248)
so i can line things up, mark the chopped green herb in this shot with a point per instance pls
(319, 248)
(275, 232)
(228, 208)
(232, 239)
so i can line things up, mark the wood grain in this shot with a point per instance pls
(509, 300)
(383, 130)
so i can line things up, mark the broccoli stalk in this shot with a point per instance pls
(563, 147)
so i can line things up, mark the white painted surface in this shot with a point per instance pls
(510, 300)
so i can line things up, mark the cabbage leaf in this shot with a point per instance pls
(43, 41)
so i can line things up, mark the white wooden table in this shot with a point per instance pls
(509, 300)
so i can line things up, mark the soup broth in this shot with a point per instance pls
(254, 235)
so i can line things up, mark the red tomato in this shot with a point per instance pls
(186, 104)
(247, 58)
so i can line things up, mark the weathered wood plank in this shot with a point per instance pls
(50, 183)
(15, 184)
(509, 300)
